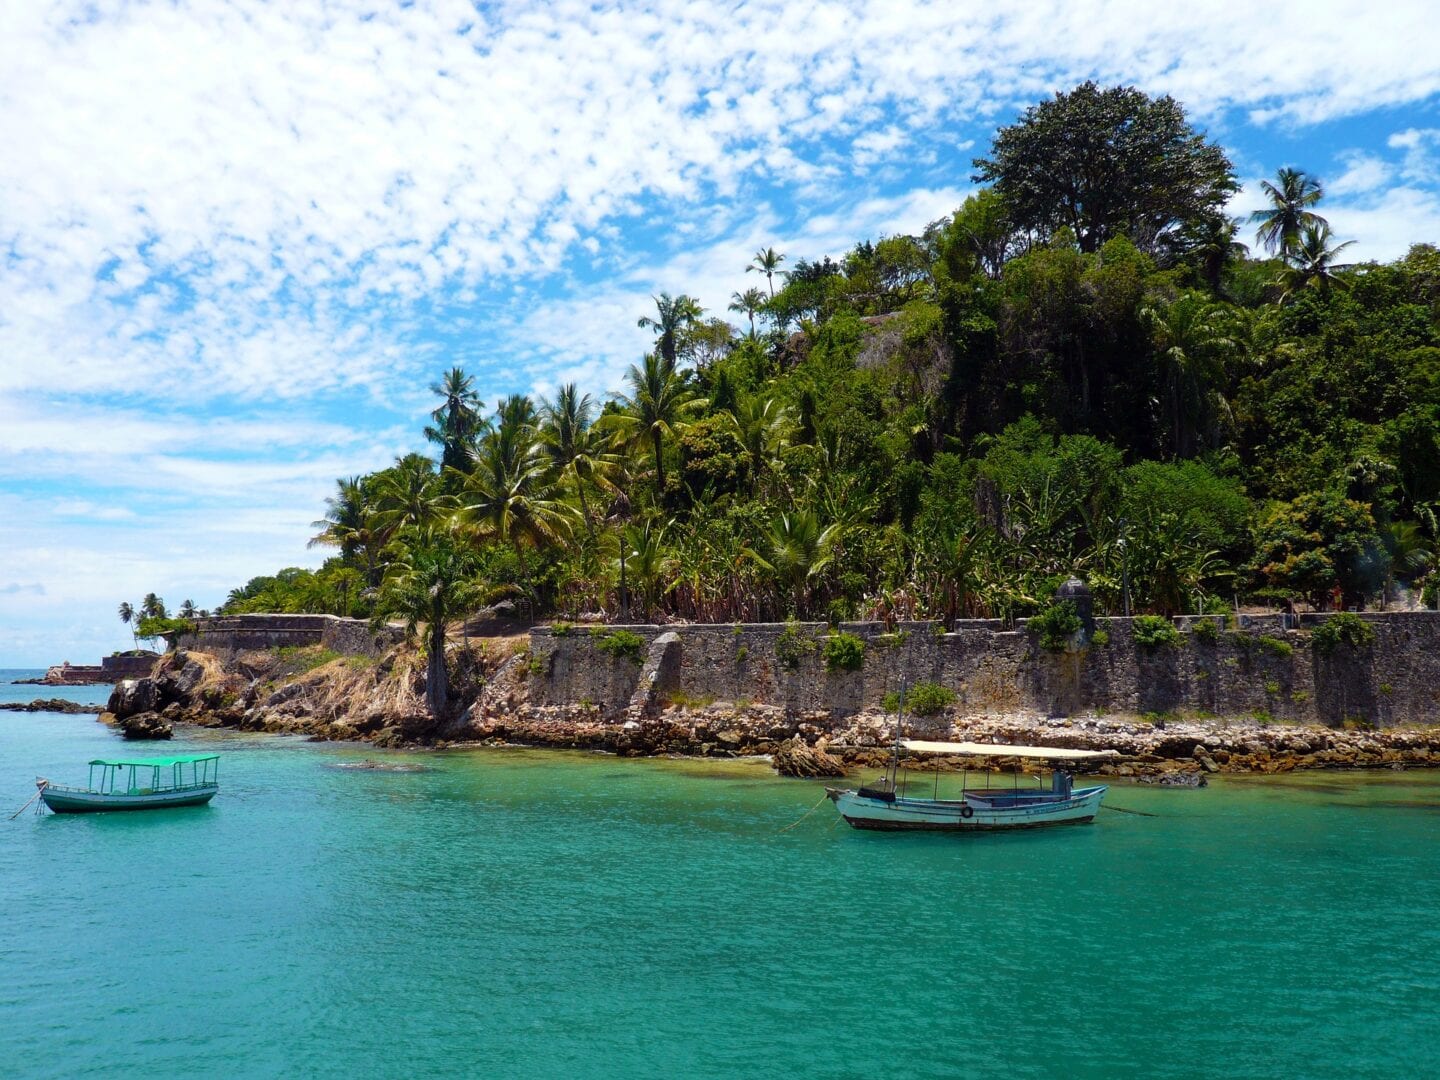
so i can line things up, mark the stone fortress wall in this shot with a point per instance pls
(1260, 666)
(229, 634)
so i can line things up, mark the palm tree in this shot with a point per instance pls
(749, 302)
(658, 403)
(762, 425)
(128, 617)
(575, 447)
(1281, 224)
(1194, 338)
(457, 422)
(797, 550)
(407, 496)
(649, 562)
(431, 584)
(1211, 243)
(152, 607)
(767, 261)
(511, 495)
(1312, 262)
(187, 610)
(673, 316)
(349, 524)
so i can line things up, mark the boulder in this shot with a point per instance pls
(132, 696)
(794, 757)
(146, 725)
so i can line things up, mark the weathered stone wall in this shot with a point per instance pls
(116, 668)
(1267, 666)
(228, 634)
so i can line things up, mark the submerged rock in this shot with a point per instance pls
(380, 766)
(145, 725)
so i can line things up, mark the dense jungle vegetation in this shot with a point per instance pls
(1084, 369)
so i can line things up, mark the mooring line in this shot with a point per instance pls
(1123, 810)
(38, 793)
(803, 816)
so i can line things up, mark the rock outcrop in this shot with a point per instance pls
(55, 705)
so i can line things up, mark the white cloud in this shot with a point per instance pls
(219, 222)
(1363, 172)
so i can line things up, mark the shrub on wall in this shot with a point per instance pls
(621, 644)
(1276, 646)
(922, 699)
(1056, 625)
(1206, 630)
(1342, 628)
(1153, 631)
(792, 646)
(844, 652)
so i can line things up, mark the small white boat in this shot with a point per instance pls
(138, 784)
(886, 805)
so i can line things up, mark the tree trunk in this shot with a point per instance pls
(659, 466)
(437, 679)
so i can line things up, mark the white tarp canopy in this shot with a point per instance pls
(1052, 753)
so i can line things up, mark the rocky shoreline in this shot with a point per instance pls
(56, 705)
(381, 702)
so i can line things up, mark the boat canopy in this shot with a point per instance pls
(156, 762)
(1053, 753)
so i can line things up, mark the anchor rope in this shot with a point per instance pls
(803, 816)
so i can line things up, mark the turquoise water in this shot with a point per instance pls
(543, 914)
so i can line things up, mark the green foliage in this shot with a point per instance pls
(1055, 626)
(922, 699)
(844, 652)
(1206, 630)
(561, 629)
(1079, 370)
(154, 626)
(1154, 631)
(621, 644)
(1100, 638)
(792, 645)
(1272, 687)
(1342, 628)
(1106, 162)
(1275, 646)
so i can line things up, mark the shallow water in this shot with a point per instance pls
(537, 913)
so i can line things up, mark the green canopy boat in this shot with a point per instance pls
(138, 784)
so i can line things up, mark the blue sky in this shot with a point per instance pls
(238, 241)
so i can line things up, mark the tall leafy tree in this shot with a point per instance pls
(1281, 224)
(350, 525)
(1106, 162)
(658, 402)
(1313, 261)
(458, 421)
(511, 495)
(749, 303)
(673, 316)
(766, 261)
(128, 616)
(575, 447)
(408, 496)
(432, 584)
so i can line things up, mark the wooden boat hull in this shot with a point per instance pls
(981, 813)
(70, 801)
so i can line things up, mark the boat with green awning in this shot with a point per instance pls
(138, 784)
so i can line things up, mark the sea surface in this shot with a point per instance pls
(527, 913)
